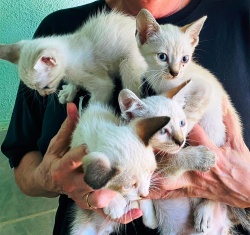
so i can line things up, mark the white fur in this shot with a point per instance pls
(169, 218)
(102, 49)
(203, 106)
(121, 148)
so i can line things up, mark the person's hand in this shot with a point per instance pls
(228, 181)
(60, 171)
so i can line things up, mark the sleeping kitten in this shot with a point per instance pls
(120, 158)
(169, 142)
(103, 49)
(168, 50)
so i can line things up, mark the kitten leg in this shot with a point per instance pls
(149, 218)
(197, 158)
(101, 90)
(203, 216)
(132, 70)
(68, 93)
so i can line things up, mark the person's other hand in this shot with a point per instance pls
(228, 181)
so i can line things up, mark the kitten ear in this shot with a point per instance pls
(146, 26)
(193, 30)
(145, 128)
(97, 170)
(11, 52)
(44, 63)
(179, 93)
(131, 106)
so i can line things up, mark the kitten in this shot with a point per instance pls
(120, 158)
(168, 50)
(170, 141)
(103, 49)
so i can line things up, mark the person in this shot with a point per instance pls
(38, 138)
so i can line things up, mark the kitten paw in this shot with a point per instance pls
(149, 218)
(206, 159)
(203, 217)
(116, 208)
(67, 94)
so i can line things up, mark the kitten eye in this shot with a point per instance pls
(126, 187)
(185, 59)
(162, 57)
(163, 131)
(182, 123)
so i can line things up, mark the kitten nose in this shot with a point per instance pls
(144, 193)
(178, 141)
(173, 73)
(46, 87)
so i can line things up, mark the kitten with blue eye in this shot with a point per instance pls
(168, 50)
(102, 50)
(120, 158)
(177, 160)
(175, 216)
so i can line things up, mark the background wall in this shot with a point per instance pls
(19, 20)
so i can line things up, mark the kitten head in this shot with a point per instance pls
(167, 49)
(40, 67)
(125, 161)
(172, 137)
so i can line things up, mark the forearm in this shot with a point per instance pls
(30, 179)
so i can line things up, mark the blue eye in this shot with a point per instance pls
(185, 59)
(182, 123)
(163, 131)
(163, 57)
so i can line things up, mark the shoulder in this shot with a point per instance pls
(68, 20)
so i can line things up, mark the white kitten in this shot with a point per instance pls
(102, 50)
(169, 142)
(120, 158)
(168, 50)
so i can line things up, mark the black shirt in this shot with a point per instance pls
(224, 49)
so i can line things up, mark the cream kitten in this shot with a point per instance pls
(169, 142)
(103, 49)
(168, 50)
(120, 158)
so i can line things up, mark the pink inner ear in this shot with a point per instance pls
(49, 61)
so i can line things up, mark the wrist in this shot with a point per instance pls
(30, 177)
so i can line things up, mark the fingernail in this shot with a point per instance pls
(86, 150)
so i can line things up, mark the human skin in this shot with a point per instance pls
(59, 170)
(228, 181)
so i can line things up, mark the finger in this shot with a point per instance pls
(130, 216)
(60, 143)
(197, 136)
(126, 218)
(101, 198)
(73, 159)
(72, 112)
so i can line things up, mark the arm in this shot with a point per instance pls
(60, 172)
(228, 181)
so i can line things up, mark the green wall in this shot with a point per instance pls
(19, 20)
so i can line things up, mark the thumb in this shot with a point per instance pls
(60, 143)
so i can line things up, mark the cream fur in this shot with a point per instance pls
(117, 147)
(102, 49)
(166, 49)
